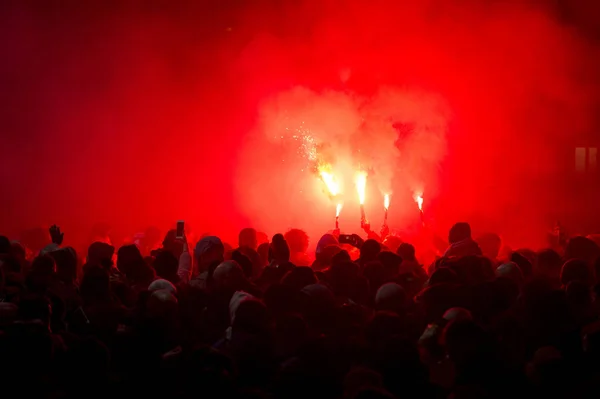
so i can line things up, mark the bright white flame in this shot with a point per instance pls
(361, 186)
(338, 209)
(419, 200)
(332, 185)
(386, 201)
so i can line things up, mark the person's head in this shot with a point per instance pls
(369, 251)
(66, 264)
(510, 270)
(490, 244)
(247, 238)
(297, 240)
(35, 307)
(279, 250)
(43, 265)
(324, 242)
(162, 284)
(391, 297)
(5, 247)
(549, 263)
(127, 256)
(228, 276)
(101, 254)
(251, 317)
(524, 264)
(95, 285)
(166, 264)
(576, 270)
(298, 278)
(459, 232)
(465, 341)
(263, 253)
(209, 250)
(407, 252)
(582, 248)
(244, 262)
(172, 244)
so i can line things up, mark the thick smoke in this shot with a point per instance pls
(146, 112)
(482, 98)
(395, 134)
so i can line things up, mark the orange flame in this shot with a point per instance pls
(361, 185)
(338, 209)
(386, 201)
(329, 179)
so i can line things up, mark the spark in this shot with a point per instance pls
(386, 201)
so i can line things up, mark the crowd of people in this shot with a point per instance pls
(356, 319)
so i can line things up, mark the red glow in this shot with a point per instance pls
(137, 117)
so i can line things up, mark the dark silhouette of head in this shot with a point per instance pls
(247, 238)
(459, 232)
(279, 251)
(369, 251)
(4, 245)
(407, 252)
(166, 264)
(297, 240)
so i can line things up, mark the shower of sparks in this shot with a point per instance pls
(307, 146)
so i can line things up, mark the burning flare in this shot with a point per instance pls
(419, 200)
(329, 179)
(361, 185)
(338, 209)
(386, 201)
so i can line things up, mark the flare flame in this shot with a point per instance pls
(361, 185)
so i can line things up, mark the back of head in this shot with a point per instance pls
(391, 297)
(298, 278)
(251, 317)
(43, 265)
(582, 248)
(510, 270)
(5, 247)
(208, 250)
(297, 240)
(465, 341)
(100, 253)
(369, 250)
(490, 244)
(95, 285)
(166, 264)
(407, 252)
(34, 307)
(247, 238)
(549, 263)
(279, 250)
(228, 275)
(161, 284)
(244, 262)
(126, 256)
(66, 263)
(459, 232)
(524, 264)
(325, 241)
(576, 270)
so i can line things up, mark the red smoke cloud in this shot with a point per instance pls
(146, 112)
